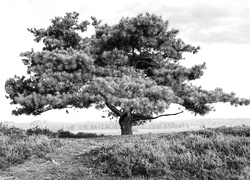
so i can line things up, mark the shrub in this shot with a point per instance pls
(206, 154)
(15, 152)
(64, 134)
(67, 134)
(60, 133)
(39, 131)
(16, 145)
(14, 132)
(128, 160)
(243, 131)
(87, 135)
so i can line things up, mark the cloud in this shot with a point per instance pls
(217, 23)
(202, 21)
(207, 21)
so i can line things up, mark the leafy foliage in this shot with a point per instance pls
(132, 67)
(62, 33)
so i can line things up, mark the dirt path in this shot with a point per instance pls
(62, 164)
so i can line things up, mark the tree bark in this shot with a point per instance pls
(126, 123)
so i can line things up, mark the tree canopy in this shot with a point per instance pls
(133, 68)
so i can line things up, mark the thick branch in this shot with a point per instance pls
(110, 106)
(137, 117)
(113, 109)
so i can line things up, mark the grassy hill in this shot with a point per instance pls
(220, 153)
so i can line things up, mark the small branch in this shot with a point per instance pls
(168, 115)
(141, 117)
(145, 63)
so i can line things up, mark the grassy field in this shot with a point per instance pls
(220, 153)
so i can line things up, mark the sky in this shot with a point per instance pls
(220, 27)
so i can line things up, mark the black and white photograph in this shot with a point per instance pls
(126, 89)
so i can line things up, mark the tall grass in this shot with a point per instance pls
(206, 154)
(16, 146)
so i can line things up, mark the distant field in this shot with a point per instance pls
(137, 131)
(113, 128)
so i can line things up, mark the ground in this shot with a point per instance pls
(220, 152)
(62, 164)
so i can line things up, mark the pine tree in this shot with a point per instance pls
(133, 68)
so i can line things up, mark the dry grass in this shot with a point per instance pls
(67, 163)
(62, 164)
(72, 160)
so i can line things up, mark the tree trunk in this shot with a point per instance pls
(126, 123)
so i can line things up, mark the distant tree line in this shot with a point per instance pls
(74, 126)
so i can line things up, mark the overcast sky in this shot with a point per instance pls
(220, 27)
